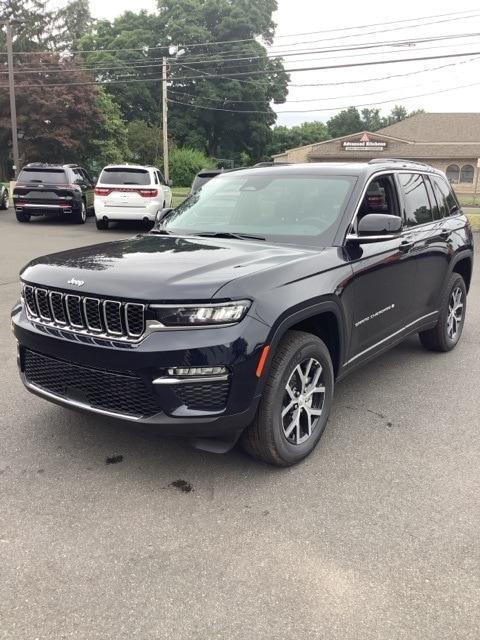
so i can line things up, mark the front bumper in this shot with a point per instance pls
(117, 381)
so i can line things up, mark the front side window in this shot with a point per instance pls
(286, 206)
(417, 205)
(453, 173)
(467, 173)
(124, 175)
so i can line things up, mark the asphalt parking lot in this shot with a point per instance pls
(374, 536)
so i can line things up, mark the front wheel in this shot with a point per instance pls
(446, 334)
(295, 404)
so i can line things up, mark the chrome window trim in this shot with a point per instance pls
(54, 317)
(392, 335)
(72, 324)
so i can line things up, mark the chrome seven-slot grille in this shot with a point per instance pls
(91, 315)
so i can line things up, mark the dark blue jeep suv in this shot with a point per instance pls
(236, 314)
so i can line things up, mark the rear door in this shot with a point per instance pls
(423, 223)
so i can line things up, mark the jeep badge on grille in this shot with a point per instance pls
(76, 283)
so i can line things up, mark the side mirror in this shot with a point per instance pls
(170, 183)
(375, 227)
(162, 214)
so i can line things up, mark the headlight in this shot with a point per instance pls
(201, 315)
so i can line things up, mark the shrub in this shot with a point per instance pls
(186, 163)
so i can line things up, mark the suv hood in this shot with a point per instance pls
(158, 268)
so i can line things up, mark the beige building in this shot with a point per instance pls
(447, 141)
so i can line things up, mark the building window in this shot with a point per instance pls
(453, 173)
(467, 173)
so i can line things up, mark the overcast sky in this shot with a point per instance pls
(300, 16)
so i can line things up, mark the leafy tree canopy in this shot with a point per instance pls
(284, 138)
(351, 120)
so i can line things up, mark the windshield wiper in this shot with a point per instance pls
(229, 234)
(160, 231)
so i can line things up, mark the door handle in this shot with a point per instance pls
(406, 245)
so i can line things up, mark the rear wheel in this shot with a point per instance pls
(446, 334)
(101, 224)
(23, 217)
(80, 217)
(295, 404)
(4, 201)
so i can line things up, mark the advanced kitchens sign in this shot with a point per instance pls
(363, 144)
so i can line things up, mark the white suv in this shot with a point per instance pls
(130, 192)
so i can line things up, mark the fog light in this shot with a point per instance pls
(197, 371)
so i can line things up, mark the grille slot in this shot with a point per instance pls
(42, 304)
(58, 310)
(92, 314)
(113, 317)
(135, 318)
(30, 299)
(74, 311)
(203, 396)
(106, 390)
(84, 314)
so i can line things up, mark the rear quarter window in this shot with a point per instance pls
(124, 176)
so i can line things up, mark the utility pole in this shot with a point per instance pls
(166, 171)
(11, 89)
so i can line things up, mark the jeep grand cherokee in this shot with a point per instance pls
(236, 314)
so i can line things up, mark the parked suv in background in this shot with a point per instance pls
(51, 189)
(235, 316)
(3, 197)
(130, 192)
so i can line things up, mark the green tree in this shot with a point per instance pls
(144, 142)
(345, 122)
(109, 144)
(186, 163)
(72, 22)
(284, 138)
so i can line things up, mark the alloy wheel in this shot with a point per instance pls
(455, 314)
(303, 401)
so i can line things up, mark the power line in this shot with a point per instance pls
(337, 108)
(263, 72)
(133, 65)
(210, 43)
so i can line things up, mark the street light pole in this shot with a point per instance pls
(166, 171)
(11, 89)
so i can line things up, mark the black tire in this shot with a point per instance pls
(102, 225)
(266, 438)
(4, 201)
(440, 338)
(23, 217)
(80, 217)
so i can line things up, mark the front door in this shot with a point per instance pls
(384, 275)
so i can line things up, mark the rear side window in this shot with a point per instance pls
(437, 211)
(415, 197)
(43, 176)
(123, 175)
(445, 195)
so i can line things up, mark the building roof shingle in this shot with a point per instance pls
(437, 127)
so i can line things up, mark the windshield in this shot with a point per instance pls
(49, 176)
(123, 175)
(269, 205)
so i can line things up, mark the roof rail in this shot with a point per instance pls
(402, 160)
